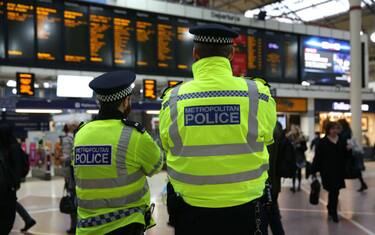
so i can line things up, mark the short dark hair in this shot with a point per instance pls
(330, 125)
(110, 106)
(207, 50)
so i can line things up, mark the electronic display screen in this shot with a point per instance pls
(49, 31)
(2, 31)
(76, 30)
(273, 48)
(100, 36)
(325, 61)
(166, 41)
(124, 39)
(255, 53)
(184, 45)
(20, 20)
(146, 41)
(239, 60)
(291, 57)
(25, 84)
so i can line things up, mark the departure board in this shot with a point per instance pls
(20, 22)
(184, 45)
(124, 39)
(49, 31)
(239, 60)
(166, 42)
(100, 36)
(146, 41)
(76, 33)
(291, 57)
(2, 31)
(273, 52)
(255, 53)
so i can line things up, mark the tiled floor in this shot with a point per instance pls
(41, 198)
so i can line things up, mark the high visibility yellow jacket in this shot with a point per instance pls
(111, 161)
(214, 130)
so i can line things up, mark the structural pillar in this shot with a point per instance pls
(355, 69)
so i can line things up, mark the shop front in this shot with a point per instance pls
(290, 110)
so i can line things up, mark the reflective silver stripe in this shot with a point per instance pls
(251, 146)
(122, 147)
(110, 182)
(156, 166)
(113, 202)
(217, 179)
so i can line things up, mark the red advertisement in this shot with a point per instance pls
(32, 154)
(239, 60)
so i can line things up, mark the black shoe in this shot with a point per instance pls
(335, 217)
(293, 189)
(363, 188)
(71, 231)
(28, 225)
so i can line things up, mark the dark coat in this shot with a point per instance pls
(330, 161)
(273, 151)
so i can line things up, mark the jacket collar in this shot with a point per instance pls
(212, 67)
(113, 114)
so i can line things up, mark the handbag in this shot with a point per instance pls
(314, 191)
(67, 205)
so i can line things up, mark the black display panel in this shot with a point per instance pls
(239, 60)
(166, 41)
(146, 41)
(184, 44)
(124, 39)
(273, 56)
(2, 31)
(255, 53)
(76, 33)
(100, 36)
(21, 32)
(325, 61)
(49, 30)
(291, 57)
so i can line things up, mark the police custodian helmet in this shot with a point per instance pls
(213, 34)
(113, 86)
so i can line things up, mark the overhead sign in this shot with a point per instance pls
(291, 104)
(25, 84)
(172, 83)
(342, 106)
(149, 89)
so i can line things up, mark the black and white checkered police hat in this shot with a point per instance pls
(113, 86)
(213, 34)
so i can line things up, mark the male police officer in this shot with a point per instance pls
(214, 130)
(112, 157)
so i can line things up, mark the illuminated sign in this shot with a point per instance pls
(342, 106)
(149, 89)
(25, 84)
(172, 83)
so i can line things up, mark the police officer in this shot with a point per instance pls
(215, 130)
(112, 156)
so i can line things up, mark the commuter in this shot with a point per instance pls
(299, 142)
(215, 130)
(66, 149)
(273, 212)
(112, 156)
(330, 157)
(346, 136)
(13, 167)
(315, 141)
(26, 217)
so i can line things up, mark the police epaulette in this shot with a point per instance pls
(136, 125)
(260, 80)
(168, 88)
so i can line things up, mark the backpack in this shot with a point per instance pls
(286, 164)
(8, 181)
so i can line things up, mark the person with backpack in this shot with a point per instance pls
(13, 167)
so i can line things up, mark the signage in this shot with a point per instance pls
(149, 89)
(342, 106)
(291, 105)
(325, 105)
(25, 84)
(172, 83)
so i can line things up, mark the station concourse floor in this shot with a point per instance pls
(357, 210)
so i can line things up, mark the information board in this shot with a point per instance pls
(20, 24)
(184, 45)
(25, 84)
(149, 89)
(239, 60)
(166, 41)
(146, 41)
(49, 31)
(2, 30)
(325, 61)
(255, 53)
(76, 30)
(273, 49)
(124, 39)
(100, 36)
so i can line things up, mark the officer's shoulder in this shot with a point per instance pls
(80, 126)
(259, 80)
(137, 125)
(168, 90)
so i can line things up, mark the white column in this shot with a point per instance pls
(308, 120)
(355, 68)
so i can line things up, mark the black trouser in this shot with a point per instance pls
(23, 213)
(274, 218)
(363, 183)
(299, 177)
(131, 229)
(73, 220)
(7, 216)
(333, 200)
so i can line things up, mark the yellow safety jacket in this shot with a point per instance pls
(111, 161)
(214, 130)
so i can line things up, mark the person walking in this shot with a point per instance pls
(273, 211)
(112, 157)
(26, 217)
(330, 158)
(215, 130)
